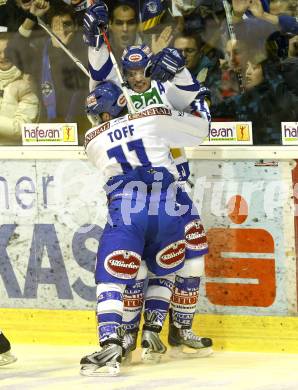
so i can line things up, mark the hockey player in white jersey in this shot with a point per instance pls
(168, 82)
(159, 79)
(185, 295)
(133, 154)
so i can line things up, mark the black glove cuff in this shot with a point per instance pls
(31, 17)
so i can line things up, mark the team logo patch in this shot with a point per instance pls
(181, 298)
(135, 301)
(195, 236)
(121, 102)
(46, 88)
(123, 264)
(136, 57)
(172, 255)
(152, 7)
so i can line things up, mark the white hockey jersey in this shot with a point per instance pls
(178, 93)
(142, 139)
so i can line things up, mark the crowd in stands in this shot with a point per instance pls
(244, 51)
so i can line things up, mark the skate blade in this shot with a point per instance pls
(185, 351)
(110, 369)
(149, 357)
(7, 358)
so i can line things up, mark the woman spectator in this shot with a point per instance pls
(62, 86)
(18, 101)
(267, 101)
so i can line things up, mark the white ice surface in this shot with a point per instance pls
(56, 367)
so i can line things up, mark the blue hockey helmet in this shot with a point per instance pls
(136, 57)
(106, 97)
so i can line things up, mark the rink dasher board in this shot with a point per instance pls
(201, 153)
(77, 327)
(234, 327)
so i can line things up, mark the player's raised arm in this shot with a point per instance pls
(100, 65)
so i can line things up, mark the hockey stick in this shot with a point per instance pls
(123, 84)
(232, 35)
(63, 47)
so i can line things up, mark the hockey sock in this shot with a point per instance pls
(184, 301)
(157, 298)
(133, 303)
(109, 309)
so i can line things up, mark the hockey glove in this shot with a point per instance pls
(165, 65)
(200, 106)
(204, 93)
(95, 18)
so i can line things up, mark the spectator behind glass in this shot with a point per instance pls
(79, 7)
(62, 85)
(267, 101)
(202, 61)
(17, 15)
(206, 20)
(18, 101)
(262, 22)
(282, 14)
(123, 27)
(233, 68)
(289, 72)
(190, 45)
(199, 14)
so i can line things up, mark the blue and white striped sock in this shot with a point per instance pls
(133, 303)
(184, 301)
(158, 296)
(109, 309)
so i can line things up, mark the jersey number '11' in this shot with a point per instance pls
(137, 146)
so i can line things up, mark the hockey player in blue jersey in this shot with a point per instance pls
(133, 154)
(159, 79)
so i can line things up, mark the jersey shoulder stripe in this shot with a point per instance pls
(192, 87)
(103, 72)
(95, 132)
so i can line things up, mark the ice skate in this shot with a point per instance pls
(7, 358)
(153, 347)
(106, 362)
(186, 342)
(129, 345)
